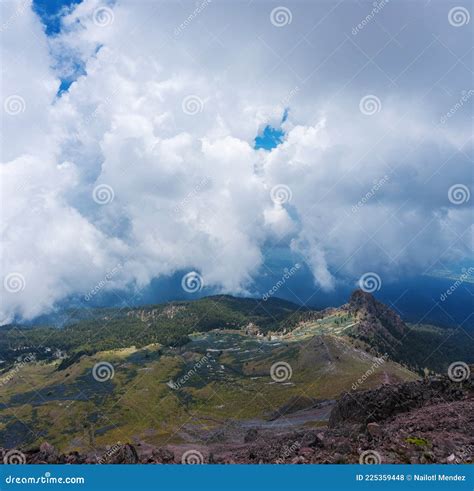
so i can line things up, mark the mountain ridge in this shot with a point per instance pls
(365, 320)
(183, 372)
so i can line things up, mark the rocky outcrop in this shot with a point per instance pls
(376, 322)
(388, 400)
(430, 421)
(436, 433)
(162, 456)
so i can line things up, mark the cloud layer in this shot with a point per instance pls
(146, 165)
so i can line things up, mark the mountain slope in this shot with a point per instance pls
(428, 421)
(187, 372)
(416, 346)
(168, 324)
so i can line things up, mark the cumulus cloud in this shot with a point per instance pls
(164, 120)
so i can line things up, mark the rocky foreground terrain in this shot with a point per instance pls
(426, 421)
(223, 380)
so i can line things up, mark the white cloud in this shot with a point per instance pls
(190, 192)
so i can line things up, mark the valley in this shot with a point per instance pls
(224, 379)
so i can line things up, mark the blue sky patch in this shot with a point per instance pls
(270, 138)
(76, 69)
(50, 13)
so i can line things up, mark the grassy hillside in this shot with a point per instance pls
(168, 324)
(138, 404)
(187, 368)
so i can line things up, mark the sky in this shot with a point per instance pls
(146, 139)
